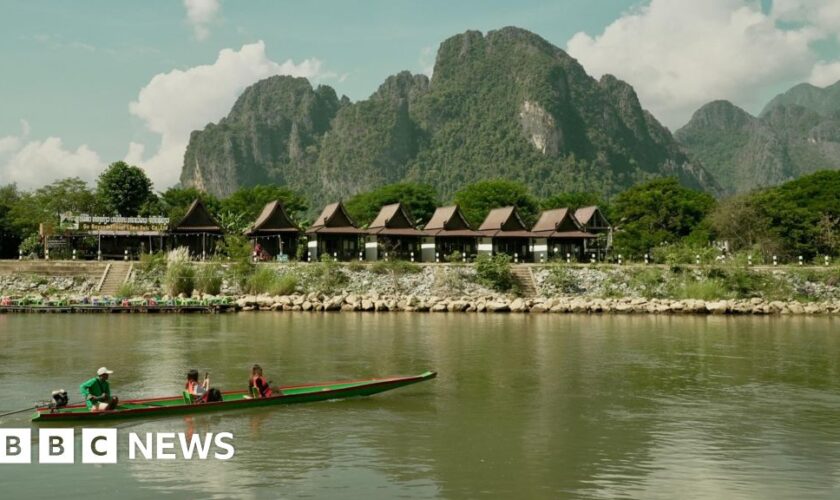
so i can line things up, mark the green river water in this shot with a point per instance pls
(524, 406)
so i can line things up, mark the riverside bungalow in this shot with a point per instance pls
(592, 221)
(558, 233)
(106, 237)
(334, 233)
(392, 235)
(197, 230)
(503, 231)
(448, 231)
(276, 233)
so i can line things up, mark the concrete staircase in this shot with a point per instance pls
(523, 276)
(116, 274)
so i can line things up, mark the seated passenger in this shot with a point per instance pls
(258, 386)
(197, 391)
(97, 392)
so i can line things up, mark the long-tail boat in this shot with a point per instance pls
(232, 400)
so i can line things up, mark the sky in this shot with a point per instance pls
(84, 84)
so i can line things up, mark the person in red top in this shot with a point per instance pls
(259, 382)
(197, 390)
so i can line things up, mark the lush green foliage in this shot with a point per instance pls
(395, 267)
(804, 214)
(248, 202)
(572, 200)
(124, 188)
(494, 272)
(476, 200)
(659, 212)
(179, 278)
(209, 278)
(420, 200)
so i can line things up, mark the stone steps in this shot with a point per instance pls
(523, 276)
(116, 275)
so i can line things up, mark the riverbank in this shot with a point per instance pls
(381, 287)
(314, 303)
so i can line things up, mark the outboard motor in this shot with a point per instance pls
(58, 399)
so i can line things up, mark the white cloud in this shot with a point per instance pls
(200, 14)
(174, 104)
(680, 54)
(825, 73)
(427, 60)
(34, 163)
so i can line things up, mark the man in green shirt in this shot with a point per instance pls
(97, 392)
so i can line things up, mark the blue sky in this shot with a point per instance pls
(71, 69)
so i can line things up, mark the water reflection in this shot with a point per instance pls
(524, 406)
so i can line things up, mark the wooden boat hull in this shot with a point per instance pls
(234, 400)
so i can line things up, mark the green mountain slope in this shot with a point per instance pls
(505, 104)
(797, 133)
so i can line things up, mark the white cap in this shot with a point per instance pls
(103, 370)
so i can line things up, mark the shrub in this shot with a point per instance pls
(494, 272)
(209, 279)
(284, 285)
(330, 275)
(179, 278)
(128, 289)
(31, 246)
(398, 267)
(562, 279)
(355, 266)
(703, 289)
(152, 263)
(261, 281)
(178, 255)
(684, 254)
(455, 257)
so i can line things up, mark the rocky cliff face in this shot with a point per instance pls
(788, 140)
(506, 104)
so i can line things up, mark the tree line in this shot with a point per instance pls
(800, 217)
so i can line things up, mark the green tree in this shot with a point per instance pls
(174, 202)
(246, 203)
(476, 200)
(420, 200)
(659, 212)
(46, 204)
(124, 188)
(572, 200)
(10, 234)
(802, 212)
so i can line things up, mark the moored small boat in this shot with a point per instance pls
(176, 405)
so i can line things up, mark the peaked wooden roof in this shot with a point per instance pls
(503, 219)
(584, 215)
(559, 219)
(273, 220)
(334, 219)
(448, 218)
(197, 220)
(395, 220)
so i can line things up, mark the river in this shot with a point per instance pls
(524, 406)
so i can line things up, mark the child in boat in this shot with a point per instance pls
(197, 390)
(258, 382)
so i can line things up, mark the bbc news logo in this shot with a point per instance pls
(99, 446)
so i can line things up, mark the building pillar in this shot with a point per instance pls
(485, 246)
(540, 250)
(312, 248)
(427, 249)
(372, 248)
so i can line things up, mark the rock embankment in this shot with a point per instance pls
(494, 303)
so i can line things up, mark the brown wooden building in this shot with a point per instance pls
(558, 233)
(448, 231)
(503, 231)
(392, 235)
(593, 221)
(198, 230)
(274, 235)
(334, 233)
